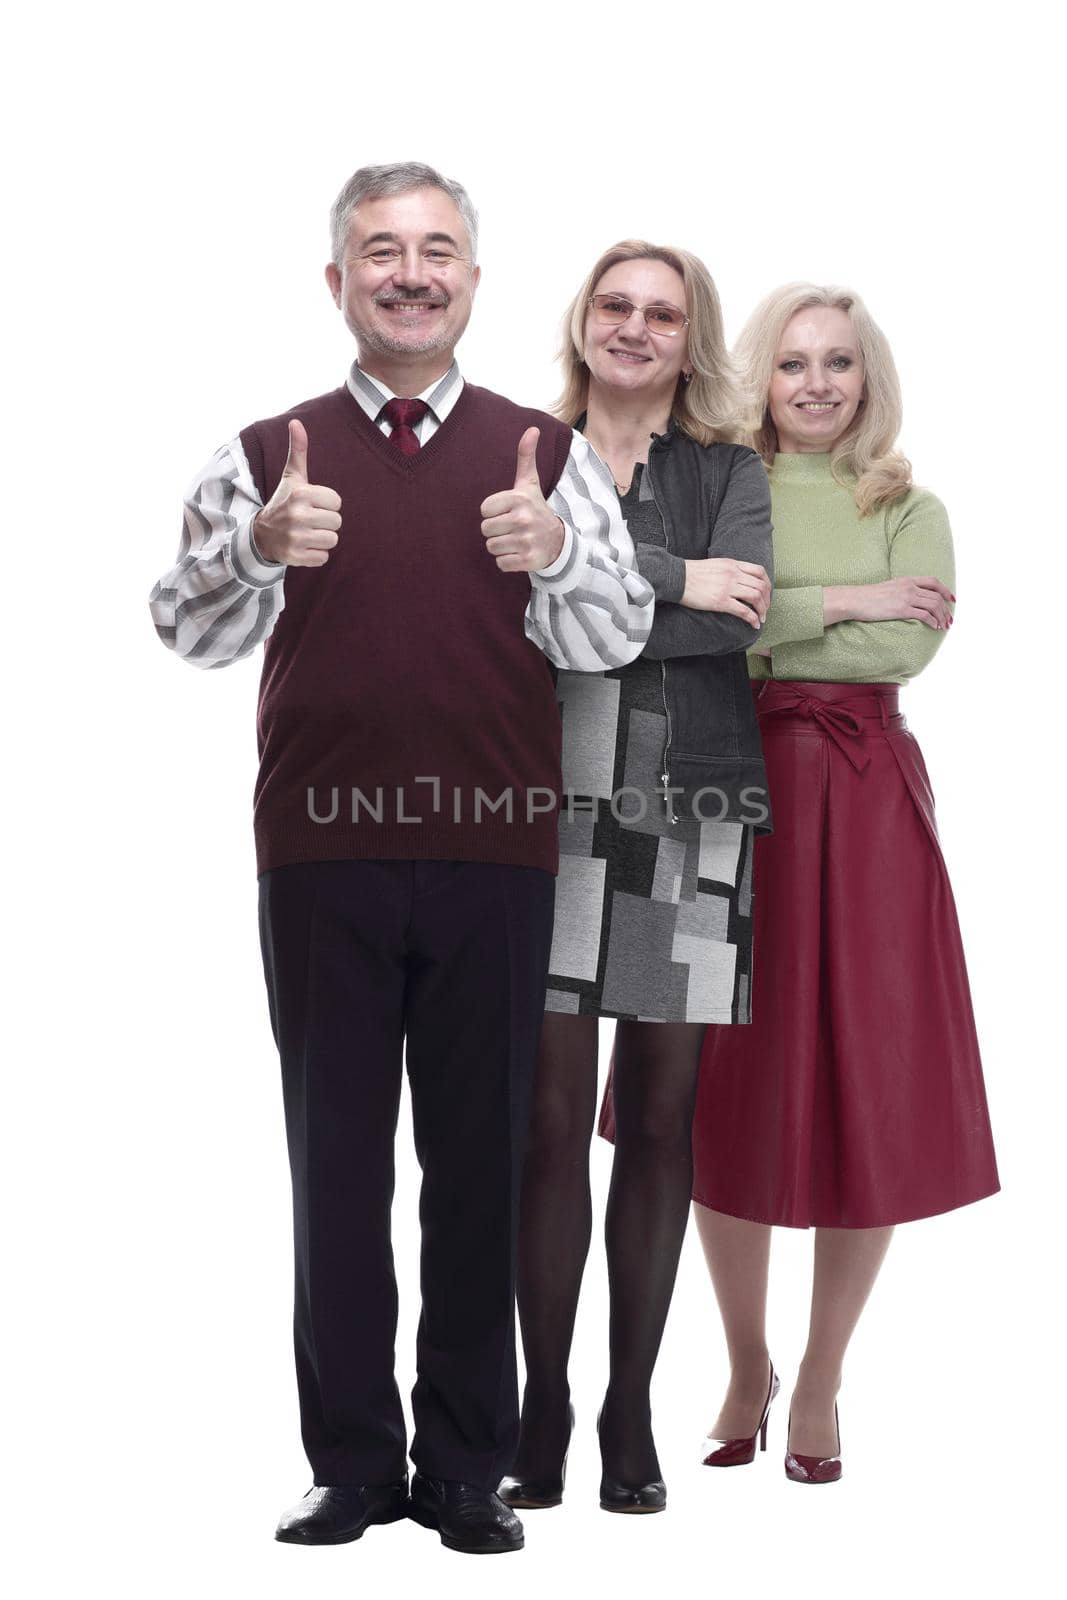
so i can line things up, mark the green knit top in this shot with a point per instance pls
(821, 539)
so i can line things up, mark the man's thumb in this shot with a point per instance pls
(526, 460)
(296, 462)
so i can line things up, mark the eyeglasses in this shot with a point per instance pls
(613, 310)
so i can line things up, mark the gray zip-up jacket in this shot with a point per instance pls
(715, 501)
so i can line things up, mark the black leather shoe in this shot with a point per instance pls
(339, 1513)
(537, 1494)
(470, 1519)
(634, 1497)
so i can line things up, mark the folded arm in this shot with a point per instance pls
(742, 530)
(919, 545)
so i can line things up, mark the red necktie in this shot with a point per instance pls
(401, 416)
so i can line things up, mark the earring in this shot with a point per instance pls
(687, 377)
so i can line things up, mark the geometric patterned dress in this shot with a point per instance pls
(653, 917)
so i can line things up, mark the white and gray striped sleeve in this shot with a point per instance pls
(591, 609)
(221, 599)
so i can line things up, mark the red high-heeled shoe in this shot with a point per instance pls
(739, 1452)
(815, 1469)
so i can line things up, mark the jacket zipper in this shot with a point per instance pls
(665, 775)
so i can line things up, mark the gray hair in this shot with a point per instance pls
(396, 177)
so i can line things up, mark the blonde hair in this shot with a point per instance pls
(864, 459)
(708, 406)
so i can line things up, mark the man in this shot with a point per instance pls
(410, 549)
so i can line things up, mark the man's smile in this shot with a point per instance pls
(411, 307)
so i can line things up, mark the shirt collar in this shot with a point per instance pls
(372, 394)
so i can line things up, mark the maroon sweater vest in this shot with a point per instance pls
(402, 711)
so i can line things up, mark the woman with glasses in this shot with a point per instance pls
(663, 789)
(855, 1100)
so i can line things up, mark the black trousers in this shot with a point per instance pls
(452, 956)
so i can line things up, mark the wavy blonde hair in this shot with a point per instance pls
(864, 460)
(708, 407)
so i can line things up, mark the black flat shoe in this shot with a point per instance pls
(467, 1518)
(633, 1497)
(336, 1514)
(537, 1494)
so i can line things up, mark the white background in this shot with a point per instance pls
(172, 175)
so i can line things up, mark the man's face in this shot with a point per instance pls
(406, 284)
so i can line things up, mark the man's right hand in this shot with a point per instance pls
(299, 523)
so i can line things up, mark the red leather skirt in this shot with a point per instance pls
(854, 1098)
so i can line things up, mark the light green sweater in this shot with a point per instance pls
(820, 539)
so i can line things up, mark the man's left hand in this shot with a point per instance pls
(519, 528)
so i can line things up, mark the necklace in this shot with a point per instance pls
(628, 488)
(603, 454)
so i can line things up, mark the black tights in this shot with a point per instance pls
(655, 1081)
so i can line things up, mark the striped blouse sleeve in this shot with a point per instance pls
(221, 599)
(591, 609)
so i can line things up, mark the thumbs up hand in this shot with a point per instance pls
(299, 523)
(518, 526)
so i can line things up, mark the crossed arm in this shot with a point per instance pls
(872, 631)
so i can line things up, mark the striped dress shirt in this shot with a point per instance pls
(589, 611)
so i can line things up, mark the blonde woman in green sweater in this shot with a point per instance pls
(855, 1098)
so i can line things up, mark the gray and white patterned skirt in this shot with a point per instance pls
(653, 918)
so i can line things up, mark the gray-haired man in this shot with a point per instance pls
(414, 552)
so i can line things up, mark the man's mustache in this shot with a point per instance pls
(422, 295)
